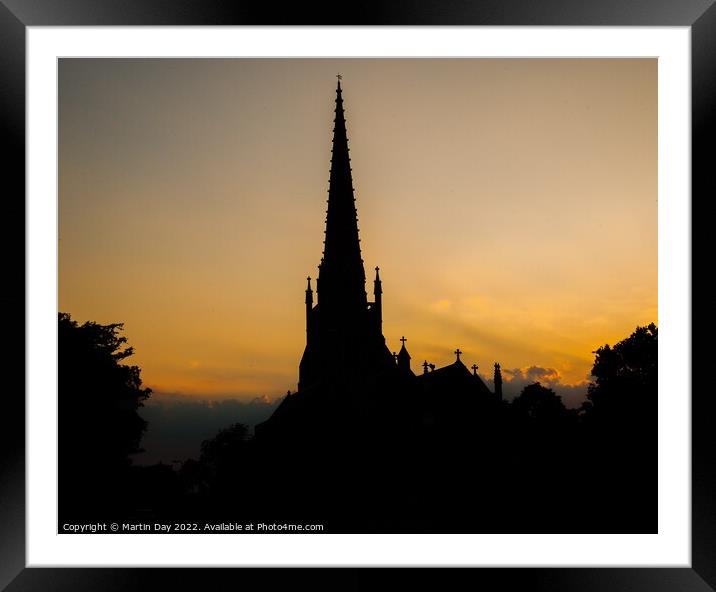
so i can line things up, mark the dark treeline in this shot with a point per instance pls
(477, 465)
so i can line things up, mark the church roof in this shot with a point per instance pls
(455, 375)
(455, 370)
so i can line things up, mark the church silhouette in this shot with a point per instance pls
(347, 371)
(366, 444)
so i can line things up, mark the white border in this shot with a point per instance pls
(670, 547)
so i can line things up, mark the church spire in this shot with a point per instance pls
(498, 381)
(341, 275)
(309, 305)
(378, 297)
(344, 339)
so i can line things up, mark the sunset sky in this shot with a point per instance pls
(510, 204)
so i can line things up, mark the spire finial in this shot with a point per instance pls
(403, 340)
(457, 352)
(425, 367)
(474, 369)
(308, 289)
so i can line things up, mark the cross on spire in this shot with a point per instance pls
(403, 339)
(457, 352)
(474, 369)
(425, 367)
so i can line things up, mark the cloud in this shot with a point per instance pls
(531, 374)
(515, 379)
(178, 423)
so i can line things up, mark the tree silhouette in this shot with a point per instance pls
(224, 448)
(539, 403)
(224, 462)
(620, 426)
(625, 386)
(98, 398)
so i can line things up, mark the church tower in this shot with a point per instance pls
(344, 333)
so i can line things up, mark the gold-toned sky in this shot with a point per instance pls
(510, 203)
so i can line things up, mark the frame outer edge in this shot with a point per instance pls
(12, 296)
(366, 12)
(703, 126)
(12, 119)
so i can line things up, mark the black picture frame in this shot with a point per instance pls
(17, 15)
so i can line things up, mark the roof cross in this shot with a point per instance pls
(403, 339)
(457, 352)
(474, 369)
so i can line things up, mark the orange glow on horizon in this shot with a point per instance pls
(510, 204)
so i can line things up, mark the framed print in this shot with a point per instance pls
(452, 361)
